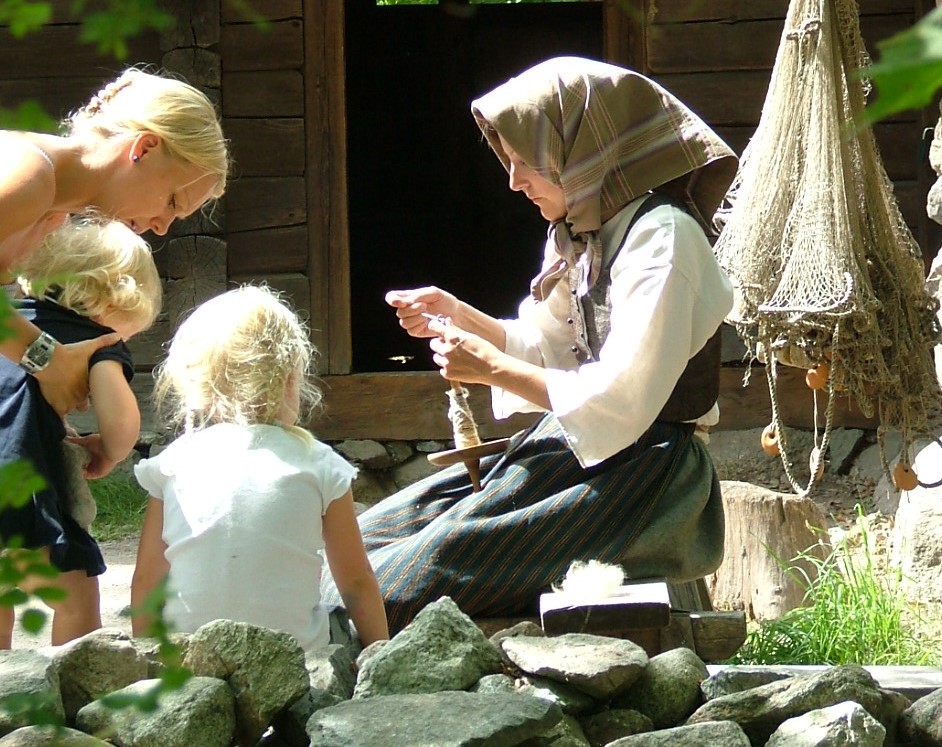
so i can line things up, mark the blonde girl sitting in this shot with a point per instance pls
(146, 149)
(87, 279)
(243, 502)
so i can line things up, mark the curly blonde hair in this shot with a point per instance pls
(93, 267)
(230, 362)
(180, 114)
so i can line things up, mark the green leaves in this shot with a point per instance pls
(28, 116)
(18, 482)
(909, 71)
(34, 708)
(855, 612)
(23, 16)
(109, 29)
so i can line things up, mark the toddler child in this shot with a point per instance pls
(243, 502)
(86, 279)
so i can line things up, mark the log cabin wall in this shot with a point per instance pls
(717, 56)
(298, 214)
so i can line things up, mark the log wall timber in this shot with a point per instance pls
(263, 111)
(410, 406)
(718, 57)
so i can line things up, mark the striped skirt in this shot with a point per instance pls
(654, 507)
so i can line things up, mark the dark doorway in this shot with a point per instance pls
(428, 201)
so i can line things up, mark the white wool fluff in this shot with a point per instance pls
(591, 579)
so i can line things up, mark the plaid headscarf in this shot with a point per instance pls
(605, 135)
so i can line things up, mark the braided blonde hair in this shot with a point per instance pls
(91, 267)
(230, 361)
(180, 114)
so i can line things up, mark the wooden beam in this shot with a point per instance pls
(411, 406)
(326, 176)
(277, 46)
(624, 33)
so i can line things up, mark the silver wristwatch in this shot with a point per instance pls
(38, 354)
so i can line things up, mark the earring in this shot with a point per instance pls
(136, 158)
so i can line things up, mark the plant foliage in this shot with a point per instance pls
(854, 613)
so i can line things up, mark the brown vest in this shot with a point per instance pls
(698, 386)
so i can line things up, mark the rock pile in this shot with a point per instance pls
(441, 682)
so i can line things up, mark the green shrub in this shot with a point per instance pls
(854, 613)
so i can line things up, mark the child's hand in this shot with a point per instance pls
(98, 464)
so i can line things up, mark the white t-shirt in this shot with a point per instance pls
(668, 297)
(243, 509)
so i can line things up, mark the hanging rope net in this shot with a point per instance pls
(827, 274)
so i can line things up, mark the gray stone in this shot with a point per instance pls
(32, 673)
(607, 726)
(399, 451)
(49, 736)
(441, 649)
(413, 470)
(844, 723)
(371, 454)
(921, 723)
(95, 665)
(741, 677)
(567, 697)
(842, 448)
(202, 712)
(444, 719)
(917, 531)
(668, 690)
(566, 733)
(761, 710)
(597, 665)
(264, 668)
(330, 669)
(869, 463)
(720, 733)
(524, 627)
(490, 684)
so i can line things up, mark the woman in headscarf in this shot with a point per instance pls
(618, 343)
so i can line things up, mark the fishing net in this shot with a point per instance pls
(828, 276)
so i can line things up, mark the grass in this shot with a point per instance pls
(121, 503)
(855, 613)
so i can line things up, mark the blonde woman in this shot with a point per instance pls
(245, 500)
(146, 150)
(87, 279)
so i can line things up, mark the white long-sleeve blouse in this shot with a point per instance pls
(668, 297)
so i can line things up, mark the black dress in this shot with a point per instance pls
(30, 429)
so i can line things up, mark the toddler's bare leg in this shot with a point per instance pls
(80, 612)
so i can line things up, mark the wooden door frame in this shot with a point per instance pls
(326, 162)
(326, 184)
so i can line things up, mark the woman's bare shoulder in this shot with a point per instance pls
(27, 183)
